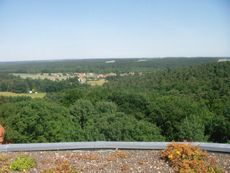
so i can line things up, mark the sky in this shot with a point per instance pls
(78, 29)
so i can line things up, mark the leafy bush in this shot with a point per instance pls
(186, 158)
(37, 121)
(22, 163)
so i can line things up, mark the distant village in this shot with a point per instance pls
(82, 77)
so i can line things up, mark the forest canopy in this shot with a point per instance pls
(185, 103)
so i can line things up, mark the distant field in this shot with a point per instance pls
(96, 82)
(49, 76)
(11, 94)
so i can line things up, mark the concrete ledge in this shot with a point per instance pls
(216, 147)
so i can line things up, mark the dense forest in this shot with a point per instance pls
(185, 103)
(100, 65)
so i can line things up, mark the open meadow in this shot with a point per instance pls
(99, 82)
(33, 95)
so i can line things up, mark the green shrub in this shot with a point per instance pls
(22, 163)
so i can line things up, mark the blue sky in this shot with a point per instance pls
(69, 29)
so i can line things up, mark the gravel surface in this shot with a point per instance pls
(108, 161)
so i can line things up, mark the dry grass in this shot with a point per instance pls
(11, 94)
(61, 166)
(4, 163)
(99, 82)
(118, 154)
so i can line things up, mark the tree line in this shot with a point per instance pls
(16, 84)
(100, 66)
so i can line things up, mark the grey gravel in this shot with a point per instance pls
(104, 161)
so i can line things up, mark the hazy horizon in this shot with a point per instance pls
(73, 59)
(59, 30)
